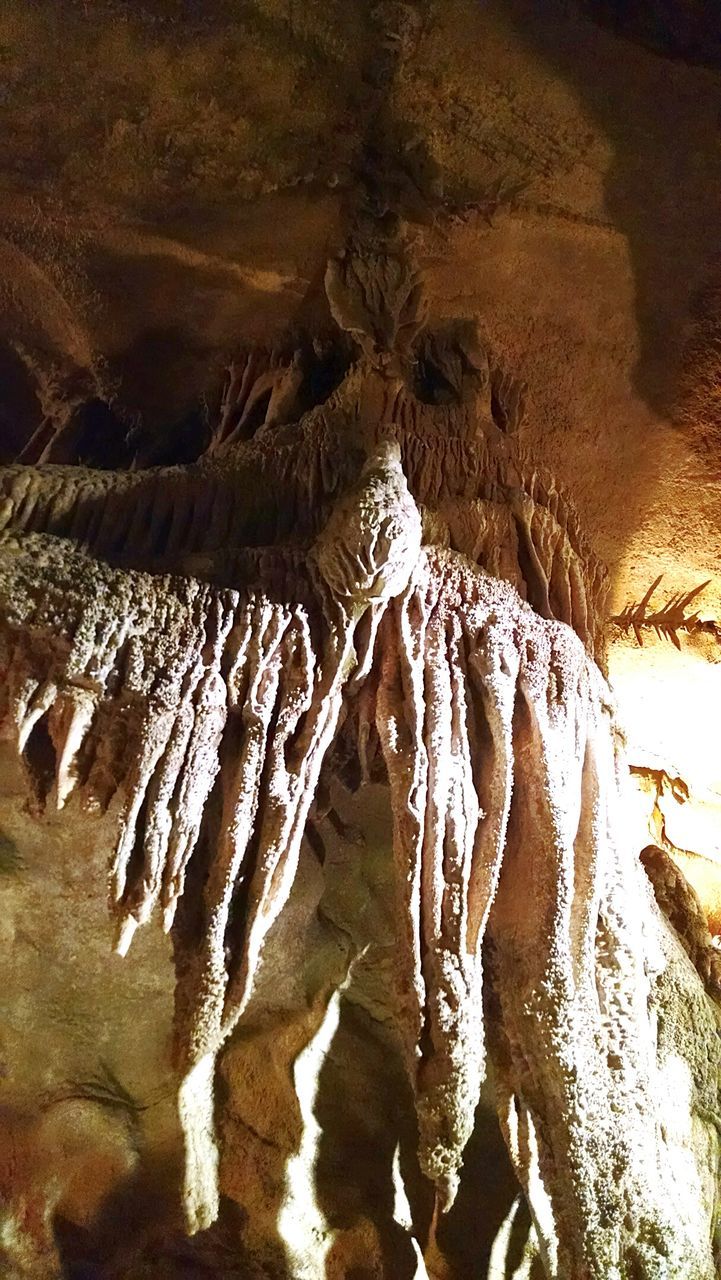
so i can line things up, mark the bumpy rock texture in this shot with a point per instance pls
(312, 673)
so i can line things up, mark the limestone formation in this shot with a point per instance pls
(383, 577)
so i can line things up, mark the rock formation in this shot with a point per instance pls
(314, 679)
(384, 577)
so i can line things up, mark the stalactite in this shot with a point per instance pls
(261, 393)
(461, 644)
(181, 632)
(499, 508)
(189, 666)
(498, 735)
(431, 747)
(573, 973)
(288, 716)
(176, 660)
(478, 698)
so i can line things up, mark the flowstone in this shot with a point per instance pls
(379, 588)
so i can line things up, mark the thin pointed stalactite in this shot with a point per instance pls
(480, 493)
(443, 711)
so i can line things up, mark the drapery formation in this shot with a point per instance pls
(498, 740)
(179, 647)
(478, 491)
(142, 686)
(506, 786)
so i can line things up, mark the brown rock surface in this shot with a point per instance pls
(173, 181)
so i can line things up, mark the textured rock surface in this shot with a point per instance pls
(174, 185)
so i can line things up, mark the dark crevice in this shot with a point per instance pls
(136, 861)
(689, 30)
(40, 758)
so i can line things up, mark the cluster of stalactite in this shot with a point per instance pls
(184, 647)
(142, 686)
(505, 773)
(478, 491)
(132, 689)
(497, 735)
